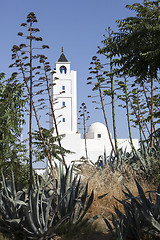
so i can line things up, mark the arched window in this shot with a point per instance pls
(63, 69)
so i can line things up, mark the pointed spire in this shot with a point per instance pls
(62, 58)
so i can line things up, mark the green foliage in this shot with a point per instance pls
(20, 169)
(11, 202)
(76, 202)
(141, 216)
(38, 213)
(133, 51)
(137, 41)
(146, 160)
(54, 150)
(11, 109)
(12, 150)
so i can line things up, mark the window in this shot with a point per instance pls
(63, 104)
(63, 119)
(99, 135)
(63, 87)
(63, 69)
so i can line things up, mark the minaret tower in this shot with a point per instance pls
(64, 96)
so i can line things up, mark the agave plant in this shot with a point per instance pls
(11, 202)
(76, 202)
(117, 162)
(37, 214)
(41, 215)
(141, 215)
(147, 160)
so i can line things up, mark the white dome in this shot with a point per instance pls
(97, 130)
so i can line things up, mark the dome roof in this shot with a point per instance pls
(97, 130)
(96, 127)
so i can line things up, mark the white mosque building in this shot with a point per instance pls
(64, 96)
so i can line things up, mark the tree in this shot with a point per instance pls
(54, 150)
(84, 115)
(137, 45)
(12, 150)
(105, 72)
(125, 98)
(137, 41)
(29, 61)
(97, 71)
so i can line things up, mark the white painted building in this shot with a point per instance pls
(64, 96)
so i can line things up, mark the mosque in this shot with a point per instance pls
(64, 96)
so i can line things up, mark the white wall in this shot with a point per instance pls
(96, 147)
(72, 142)
(69, 96)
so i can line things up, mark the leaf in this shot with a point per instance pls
(108, 225)
(90, 200)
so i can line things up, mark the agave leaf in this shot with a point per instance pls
(81, 204)
(118, 212)
(69, 183)
(136, 203)
(35, 207)
(102, 196)
(49, 202)
(47, 183)
(4, 186)
(130, 195)
(43, 206)
(90, 200)
(158, 196)
(55, 211)
(69, 177)
(84, 196)
(31, 234)
(78, 188)
(13, 187)
(91, 220)
(61, 221)
(109, 226)
(29, 220)
(128, 217)
(19, 202)
(19, 195)
(14, 221)
(119, 229)
(70, 201)
(9, 205)
(145, 201)
(150, 219)
(77, 212)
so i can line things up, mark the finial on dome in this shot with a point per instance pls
(62, 49)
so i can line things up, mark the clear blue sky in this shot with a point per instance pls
(78, 26)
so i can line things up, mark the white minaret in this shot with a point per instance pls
(64, 96)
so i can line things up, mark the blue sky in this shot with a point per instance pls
(78, 26)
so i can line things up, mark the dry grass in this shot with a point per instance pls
(107, 184)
